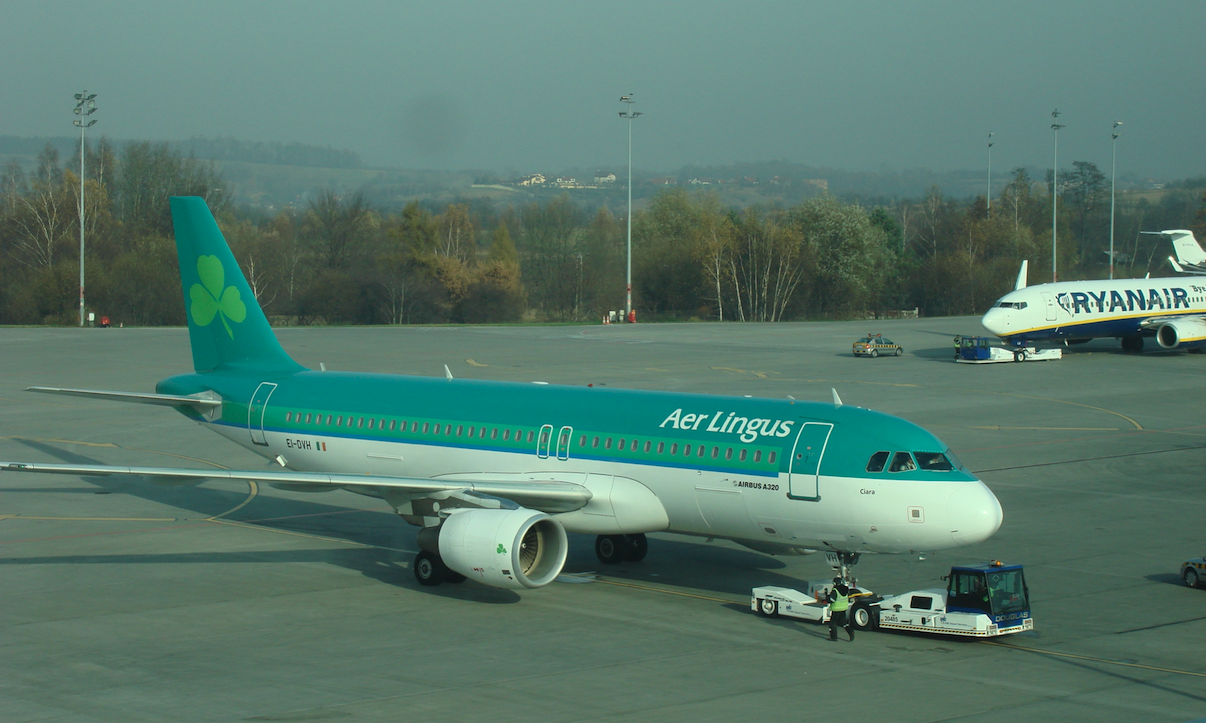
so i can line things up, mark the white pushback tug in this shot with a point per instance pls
(979, 601)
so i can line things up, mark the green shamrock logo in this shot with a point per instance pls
(213, 298)
(501, 550)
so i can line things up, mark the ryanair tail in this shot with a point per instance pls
(226, 326)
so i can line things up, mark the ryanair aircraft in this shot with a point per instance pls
(495, 473)
(1172, 310)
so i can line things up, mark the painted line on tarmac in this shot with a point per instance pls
(253, 489)
(90, 519)
(262, 528)
(664, 591)
(1091, 659)
(1049, 429)
(1091, 459)
(62, 441)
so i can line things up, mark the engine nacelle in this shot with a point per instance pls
(504, 548)
(1181, 333)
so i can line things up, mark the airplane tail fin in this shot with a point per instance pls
(226, 325)
(1021, 282)
(1186, 247)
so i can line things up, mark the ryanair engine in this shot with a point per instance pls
(515, 548)
(1186, 332)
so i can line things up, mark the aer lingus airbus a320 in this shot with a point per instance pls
(496, 473)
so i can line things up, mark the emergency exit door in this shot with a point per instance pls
(804, 477)
(255, 412)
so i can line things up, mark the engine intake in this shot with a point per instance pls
(1181, 333)
(513, 549)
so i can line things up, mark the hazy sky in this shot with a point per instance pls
(528, 86)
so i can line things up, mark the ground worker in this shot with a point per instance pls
(839, 604)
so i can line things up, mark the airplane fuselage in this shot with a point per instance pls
(778, 475)
(1075, 310)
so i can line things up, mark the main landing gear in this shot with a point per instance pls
(1132, 343)
(614, 549)
(430, 570)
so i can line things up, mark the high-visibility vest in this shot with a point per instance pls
(840, 602)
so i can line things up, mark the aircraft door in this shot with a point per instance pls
(544, 441)
(805, 473)
(1050, 303)
(255, 412)
(563, 442)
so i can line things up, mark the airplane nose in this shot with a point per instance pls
(975, 513)
(996, 321)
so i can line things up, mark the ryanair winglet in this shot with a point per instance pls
(226, 326)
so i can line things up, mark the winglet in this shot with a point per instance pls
(1176, 267)
(447, 373)
(1021, 282)
(837, 401)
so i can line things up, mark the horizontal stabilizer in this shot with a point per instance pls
(545, 495)
(163, 400)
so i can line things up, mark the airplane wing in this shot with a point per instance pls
(1161, 320)
(165, 400)
(550, 496)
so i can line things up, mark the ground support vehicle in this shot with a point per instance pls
(979, 601)
(980, 350)
(812, 604)
(1193, 572)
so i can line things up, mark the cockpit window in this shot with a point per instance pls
(955, 461)
(1012, 305)
(935, 461)
(878, 460)
(902, 462)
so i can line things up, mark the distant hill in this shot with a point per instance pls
(209, 149)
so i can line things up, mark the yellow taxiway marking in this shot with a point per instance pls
(1056, 429)
(261, 528)
(252, 491)
(91, 519)
(63, 441)
(473, 363)
(759, 375)
(1096, 660)
(664, 591)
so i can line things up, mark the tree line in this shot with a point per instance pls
(340, 260)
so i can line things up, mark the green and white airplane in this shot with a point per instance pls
(496, 473)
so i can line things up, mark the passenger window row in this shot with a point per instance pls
(905, 462)
(687, 450)
(394, 425)
(507, 434)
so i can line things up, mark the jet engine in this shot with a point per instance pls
(515, 549)
(1181, 333)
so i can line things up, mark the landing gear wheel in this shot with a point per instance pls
(429, 569)
(1191, 577)
(768, 608)
(610, 549)
(873, 353)
(1132, 343)
(862, 618)
(899, 351)
(635, 547)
